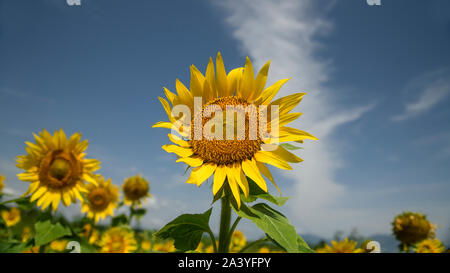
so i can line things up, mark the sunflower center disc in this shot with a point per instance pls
(99, 199)
(59, 168)
(228, 151)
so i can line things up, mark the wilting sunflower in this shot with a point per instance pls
(100, 199)
(346, 246)
(11, 217)
(238, 241)
(118, 240)
(429, 246)
(410, 228)
(2, 184)
(231, 159)
(56, 168)
(135, 189)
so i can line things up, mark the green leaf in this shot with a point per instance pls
(186, 230)
(256, 192)
(22, 202)
(46, 232)
(139, 213)
(303, 246)
(13, 247)
(118, 220)
(274, 224)
(290, 146)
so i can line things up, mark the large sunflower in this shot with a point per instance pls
(101, 199)
(56, 168)
(232, 160)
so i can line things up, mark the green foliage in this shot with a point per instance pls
(256, 192)
(118, 220)
(46, 231)
(275, 225)
(186, 230)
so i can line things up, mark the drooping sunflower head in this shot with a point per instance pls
(135, 189)
(410, 228)
(118, 240)
(429, 246)
(57, 168)
(100, 199)
(228, 125)
(238, 241)
(11, 217)
(345, 246)
(2, 184)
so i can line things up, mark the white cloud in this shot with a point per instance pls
(286, 32)
(433, 87)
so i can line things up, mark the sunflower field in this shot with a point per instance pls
(61, 173)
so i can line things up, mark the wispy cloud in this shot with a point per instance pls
(433, 88)
(286, 32)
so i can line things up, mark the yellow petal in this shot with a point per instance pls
(260, 81)
(268, 158)
(269, 93)
(200, 174)
(180, 151)
(265, 171)
(281, 153)
(246, 87)
(219, 178)
(196, 84)
(251, 170)
(221, 76)
(234, 78)
(169, 95)
(233, 186)
(167, 108)
(177, 140)
(191, 161)
(288, 103)
(184, 96)
(211, 78)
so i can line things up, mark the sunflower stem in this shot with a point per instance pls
(225, 219)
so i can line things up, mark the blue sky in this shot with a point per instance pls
(377, 80)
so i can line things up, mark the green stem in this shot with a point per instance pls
(225, 219)
(130, 217)
(233, 227)
(213, 241)
(252, 244)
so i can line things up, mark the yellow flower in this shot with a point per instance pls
(238, 241)
(231, 157)
(91, 233)
(118, 240)
(34, 249)
(2, 184)
(410, 228)
(346, 246)
(56, 168)
(146, 245)
(58, 245)
(135, 189)
(26, 234)
(168, 246)
(101, 199)
(264, 250)
(11, 217)
(430, 246)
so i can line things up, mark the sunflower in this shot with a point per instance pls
(346, 246)
(146, 245)
(11, 217)
(236, 156)
(238, 241)
(135, 189)
(26, 234)
(56, 168)
(118, 240)
(429, 246)
(58, 245)
(34, 249)
(2, 184)
(167, 247)
(101, 199)
(91, 233)
(410, 228)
